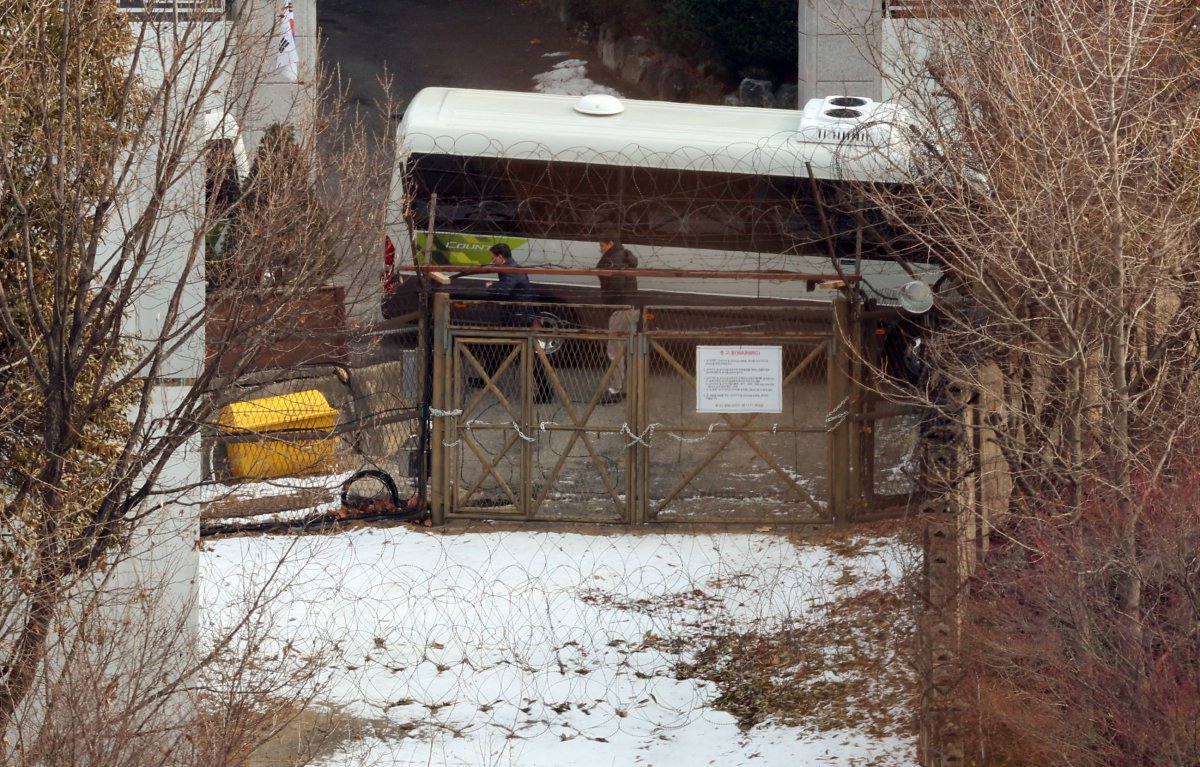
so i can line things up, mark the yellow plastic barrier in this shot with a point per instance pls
(277, 456)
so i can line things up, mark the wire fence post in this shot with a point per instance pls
(438, 457)
(528, 363)
(840, 423)
(427, 365)
(638, 501)
(855, 444)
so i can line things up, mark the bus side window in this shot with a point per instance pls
(651, 206)
(473, 193)
(534, 202)
(593, 199)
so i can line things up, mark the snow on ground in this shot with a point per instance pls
(249, 490)
(546, 648)
(569, 78)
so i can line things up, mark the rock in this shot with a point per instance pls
(634, 68)
(608, 47)
(636, 61)
(651, 72)
(756, 93)
(787, 96)
(559, 9)
(674, 84)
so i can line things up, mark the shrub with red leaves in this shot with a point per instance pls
(1060, 673)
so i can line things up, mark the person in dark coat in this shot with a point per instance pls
(513, 288)
(510, 286)
(619, 290)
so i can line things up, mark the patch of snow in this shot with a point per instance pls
(569, 78)
(541, 648)
(258, 489)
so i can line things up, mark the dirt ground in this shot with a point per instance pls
(317, 733)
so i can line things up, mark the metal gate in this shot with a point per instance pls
(503, 450)
(522, 428)
(733, 467)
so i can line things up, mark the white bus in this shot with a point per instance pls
(688, 187)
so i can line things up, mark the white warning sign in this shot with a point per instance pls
(739, 379)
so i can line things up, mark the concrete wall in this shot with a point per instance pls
(276, 99)
(905, 47)
(168, 553)
(146, 603)
(839, 42)
(138, 616)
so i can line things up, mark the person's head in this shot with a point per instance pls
(608, 240)
(500, 252)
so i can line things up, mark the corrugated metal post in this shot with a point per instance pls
(945, 465)
(438, 458)
(838, 421)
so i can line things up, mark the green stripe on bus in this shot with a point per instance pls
(463, 249)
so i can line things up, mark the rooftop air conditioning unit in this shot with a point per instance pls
(847, 119)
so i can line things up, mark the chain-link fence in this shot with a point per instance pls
(322, 417)
(530, 430)
(737, 466)
(598, 413)
(594, 413)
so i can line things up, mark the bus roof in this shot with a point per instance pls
(774, 142)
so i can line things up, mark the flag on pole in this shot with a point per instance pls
(287, 61)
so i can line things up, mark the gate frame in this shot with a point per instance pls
(849, 436)
(739, 423)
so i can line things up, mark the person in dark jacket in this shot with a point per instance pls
(510, 286)
(513, 288)
(619, 290)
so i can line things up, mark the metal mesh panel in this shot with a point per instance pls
(535, 431)
(531, 436)
(386, 390)
(580, 459)
(376, 397)
(487, 449)
(893, 458)
(736, 467)
(600, 414)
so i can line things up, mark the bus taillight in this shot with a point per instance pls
(389, 263)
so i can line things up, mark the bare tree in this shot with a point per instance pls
(110, 128)
(1056, 178)
(133, 683)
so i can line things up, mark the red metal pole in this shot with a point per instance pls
(783, 276)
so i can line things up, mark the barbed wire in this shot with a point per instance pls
(554, 636)
(752, 206)
(382, 401)
(838, 415)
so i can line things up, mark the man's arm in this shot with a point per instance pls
(618, 259)
(502, 288)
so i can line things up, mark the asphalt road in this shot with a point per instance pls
(498, 44)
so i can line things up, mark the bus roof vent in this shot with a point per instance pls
(846, 119)
(599, 104)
